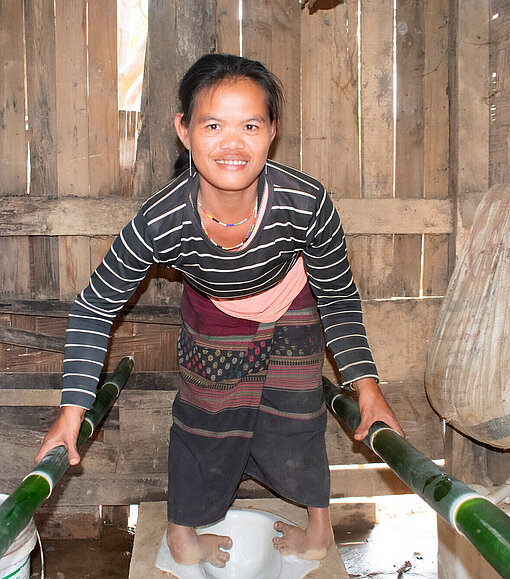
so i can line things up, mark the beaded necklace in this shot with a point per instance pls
(221, 222)
(252, 216)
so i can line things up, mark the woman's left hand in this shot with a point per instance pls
(373, 407)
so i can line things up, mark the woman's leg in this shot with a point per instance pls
(311, 543)
(189, 548)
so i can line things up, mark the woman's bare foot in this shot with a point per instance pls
(310, 544)
(189, 548)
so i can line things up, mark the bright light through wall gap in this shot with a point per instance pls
(372, 465)
(240, 27)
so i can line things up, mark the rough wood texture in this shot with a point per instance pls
(469, 73)
(14, 266)
(168, 314)
(166, 62)
(31, 340)
(228, 39)
(72, 97)
(74, 265)
(499, 58)
(377, 98)
(13, 142)
(278, 23)
(409, 143)
(41, 95)
(103, 130)
(107, 216)
(330, 135)
(44, 260)
(436, 102)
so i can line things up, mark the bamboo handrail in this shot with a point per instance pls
(20, 506)
(472, 515)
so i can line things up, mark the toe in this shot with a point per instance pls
(226, 543)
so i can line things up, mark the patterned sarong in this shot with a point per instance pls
(250, 402)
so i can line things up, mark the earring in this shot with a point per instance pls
(190, 166)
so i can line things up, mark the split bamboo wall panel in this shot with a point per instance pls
(379, 145)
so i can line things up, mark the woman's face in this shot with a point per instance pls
(229, 135)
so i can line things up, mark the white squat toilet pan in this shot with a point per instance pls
(252, 555)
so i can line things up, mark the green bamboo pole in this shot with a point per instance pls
(474, 516)
(19, 507)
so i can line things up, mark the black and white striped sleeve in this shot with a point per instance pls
(95, 308)
(338, 299)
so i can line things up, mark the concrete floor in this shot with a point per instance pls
(402, 545)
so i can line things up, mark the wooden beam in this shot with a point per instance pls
(66, 215)
(125, 489)
(107, 215)
(168, 314)
(29, 339)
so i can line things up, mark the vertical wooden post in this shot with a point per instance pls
(469, 180)
(14, 256)
(179, 33)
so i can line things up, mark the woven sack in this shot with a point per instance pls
(467, 374)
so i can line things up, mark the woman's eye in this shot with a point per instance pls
(251, 127)
(213, 127)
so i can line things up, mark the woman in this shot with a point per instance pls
(260, 246)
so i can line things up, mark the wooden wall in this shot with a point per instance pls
(380, 146)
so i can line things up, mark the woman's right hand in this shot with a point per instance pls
(64, 431)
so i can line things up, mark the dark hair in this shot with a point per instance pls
(211, 69)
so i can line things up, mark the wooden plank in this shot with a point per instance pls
(71, 97)
(66, 216)
(409, 136)
(399, 332)
(330, 128)
(142, 175)
(103, 106)
(271, 32)
(377, 98)
(13, 141)
(228, 39)
(435, 87)
(371, 259)
(499, 59)
(469, 73)
(23, 429)
(128, 130)
(74, 265)
(133, 488)
(30, 397)
(167, 314)
(41, 95)
(14, 266)
(44, 267)
(13, 382)
(144, 448)
(107, 216)
(436, 265)
(28, 339)
(407, 251)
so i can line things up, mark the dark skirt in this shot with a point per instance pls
(250, 403)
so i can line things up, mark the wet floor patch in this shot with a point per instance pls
(403, 543)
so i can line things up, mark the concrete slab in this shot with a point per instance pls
(151, 525)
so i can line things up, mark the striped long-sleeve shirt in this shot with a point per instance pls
(299, 219)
